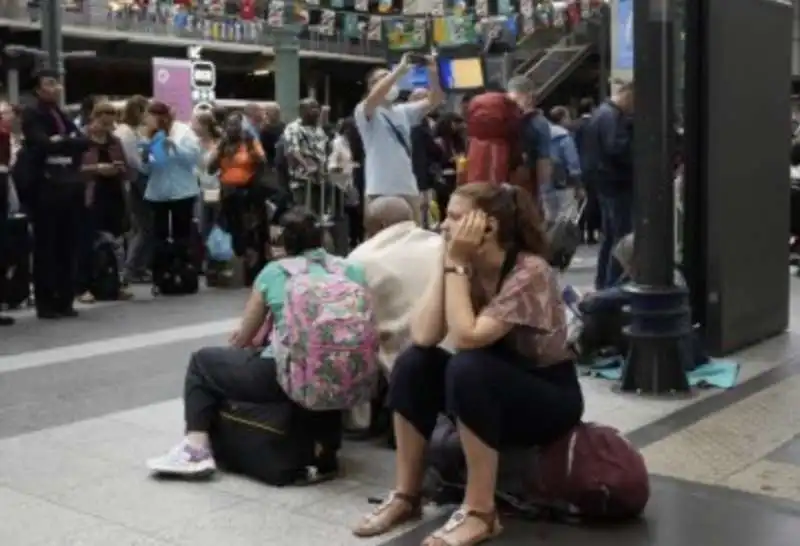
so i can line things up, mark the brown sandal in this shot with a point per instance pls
(445, 536)
(397, 509)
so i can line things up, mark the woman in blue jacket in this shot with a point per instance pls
(171, 157)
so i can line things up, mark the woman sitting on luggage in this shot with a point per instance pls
(511, 382)
(170, 159)
(243, 374)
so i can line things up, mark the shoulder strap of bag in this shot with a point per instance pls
(295, 266)
(398, 134)
(334, 266)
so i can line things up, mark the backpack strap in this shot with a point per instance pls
(335, 266)
(295, 266)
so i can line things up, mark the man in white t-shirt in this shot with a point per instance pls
(385, 128)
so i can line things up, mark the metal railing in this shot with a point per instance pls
(554, 66)
(531, 47)
(550, 65)
(95, 18)
(541, 38)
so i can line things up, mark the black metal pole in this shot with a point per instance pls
(695, 154)
(659, 311)
(52, 36)
(604, 45)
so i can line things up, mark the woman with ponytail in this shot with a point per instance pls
(511, 382)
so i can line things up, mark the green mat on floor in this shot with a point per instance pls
(717, 373)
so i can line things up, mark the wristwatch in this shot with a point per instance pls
(457, 269)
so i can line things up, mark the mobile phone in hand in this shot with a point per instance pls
(418, 59)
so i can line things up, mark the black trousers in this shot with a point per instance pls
(4, 181)
(217, 374)
(56, 229)
(590, 219)
(244, 216)
(173, 220)
(501, 401)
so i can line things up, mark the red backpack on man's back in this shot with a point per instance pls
(493, 123)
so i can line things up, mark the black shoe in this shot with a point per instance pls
(48, 314)
(327, 464)
(6, 321)
(325, 468)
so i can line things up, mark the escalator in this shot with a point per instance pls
(550, 56)
(555, 65)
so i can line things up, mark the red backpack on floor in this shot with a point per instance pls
(595, 473)
(592, 473)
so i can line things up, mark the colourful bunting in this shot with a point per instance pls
(400, 24)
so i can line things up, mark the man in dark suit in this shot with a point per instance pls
(53, 149)
(5, 158)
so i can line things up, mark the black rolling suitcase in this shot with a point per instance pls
(265, 442)
(328, 205)
(15, 285)
(175, 265)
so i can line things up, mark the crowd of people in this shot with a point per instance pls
(471, 309)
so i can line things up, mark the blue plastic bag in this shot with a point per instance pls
(219, 245)
(158, 149)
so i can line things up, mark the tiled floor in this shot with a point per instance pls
(679, 514)
(88, 481)
(82, 405)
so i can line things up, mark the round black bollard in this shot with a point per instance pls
(660, 343)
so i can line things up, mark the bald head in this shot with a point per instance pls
(385, 212)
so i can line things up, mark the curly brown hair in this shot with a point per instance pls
(519, 222)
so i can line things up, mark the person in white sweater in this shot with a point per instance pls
(399, 259)
(140, 244)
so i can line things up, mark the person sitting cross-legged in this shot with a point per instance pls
(512, 380)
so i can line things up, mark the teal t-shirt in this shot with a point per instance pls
(271, 282)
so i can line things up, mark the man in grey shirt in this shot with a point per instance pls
(385, 128)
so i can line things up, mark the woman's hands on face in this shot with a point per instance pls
(467, 238)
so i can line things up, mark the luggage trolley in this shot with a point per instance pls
(328, 205)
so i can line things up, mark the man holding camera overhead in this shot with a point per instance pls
(385, 128)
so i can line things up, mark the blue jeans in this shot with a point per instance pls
(616, 212)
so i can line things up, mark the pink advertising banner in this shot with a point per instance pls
(172, 85)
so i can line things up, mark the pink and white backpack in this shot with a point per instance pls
(326, 346)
